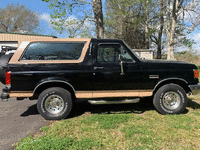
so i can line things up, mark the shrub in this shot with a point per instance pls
(188, 56)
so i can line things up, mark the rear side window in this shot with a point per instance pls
(53, 51)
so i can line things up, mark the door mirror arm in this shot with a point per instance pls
(121, 58)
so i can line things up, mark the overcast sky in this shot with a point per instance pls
(45, 27)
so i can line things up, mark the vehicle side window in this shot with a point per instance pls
(53, 51)
(127, 57)
(109, 53)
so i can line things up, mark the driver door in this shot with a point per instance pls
(109, 73)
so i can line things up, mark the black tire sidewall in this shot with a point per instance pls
(158, 103)
(66, 96)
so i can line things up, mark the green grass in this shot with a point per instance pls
(121, 128)
(118, 127)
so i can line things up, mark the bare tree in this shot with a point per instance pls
(171, 26)
(158, 21)
(147, 24)
(98, 18)
(176, 11)
(80, 9)
(18, 19)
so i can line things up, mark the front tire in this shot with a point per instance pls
(54, 103)
(170, 99)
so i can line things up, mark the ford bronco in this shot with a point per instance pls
(58, 71)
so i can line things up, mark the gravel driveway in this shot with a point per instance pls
(17, 120)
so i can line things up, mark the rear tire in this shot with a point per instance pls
(170, 99)
(54, 103)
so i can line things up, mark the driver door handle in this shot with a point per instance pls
(98, 68)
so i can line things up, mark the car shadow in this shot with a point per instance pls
(82, 106)
(192, 104)
(32, 110)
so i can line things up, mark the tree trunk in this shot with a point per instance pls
(172, 22)
(159, 48)
(146, 25)
(168, 26)
(98, 18)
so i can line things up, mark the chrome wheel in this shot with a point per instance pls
(54, 104)
(171, 100)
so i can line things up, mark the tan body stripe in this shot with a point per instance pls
(118, 93)
(95, 94)
(21, 94)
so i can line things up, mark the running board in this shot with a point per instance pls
(97, 102)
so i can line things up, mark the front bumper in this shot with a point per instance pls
(195, 88)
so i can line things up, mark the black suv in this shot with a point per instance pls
(58, 71)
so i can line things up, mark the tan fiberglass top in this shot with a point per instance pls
(15, 58)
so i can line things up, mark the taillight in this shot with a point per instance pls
(196, 73)
(8, 79)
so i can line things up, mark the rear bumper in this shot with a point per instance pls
(195, 88)
(5, 93)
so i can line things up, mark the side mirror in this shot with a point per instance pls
(121, 58)
(124, 52)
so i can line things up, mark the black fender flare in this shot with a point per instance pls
(181, 82)
(53, 80)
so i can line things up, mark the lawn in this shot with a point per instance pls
(128, 126)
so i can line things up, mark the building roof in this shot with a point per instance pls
(29, 34)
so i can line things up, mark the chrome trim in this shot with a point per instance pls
(53, 81)
(54, 104)
(126, 101)
(98, 68)
(109, 44)
(153, 76)
(171, 100)
(90, 52)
